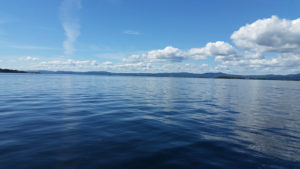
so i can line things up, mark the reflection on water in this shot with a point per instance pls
(76, 121)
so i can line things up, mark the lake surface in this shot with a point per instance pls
(85, 121)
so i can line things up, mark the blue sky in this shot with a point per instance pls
(234, 36)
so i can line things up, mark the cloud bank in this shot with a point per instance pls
(220, 49)
(92, 65)
(69, 64)
(269, 45)
(252, 43)
(70, 22)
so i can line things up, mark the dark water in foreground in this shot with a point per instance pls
(75, 121)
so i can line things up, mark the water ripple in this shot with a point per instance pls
(74, 121)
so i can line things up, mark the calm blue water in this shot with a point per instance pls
(81, 121)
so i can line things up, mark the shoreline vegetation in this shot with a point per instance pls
(219, 75)
(11, 71)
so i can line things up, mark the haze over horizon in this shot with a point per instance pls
(238, 37)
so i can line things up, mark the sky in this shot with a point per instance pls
(197, 36)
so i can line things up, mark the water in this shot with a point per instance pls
(82, 121)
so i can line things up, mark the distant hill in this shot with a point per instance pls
(218, 75)
(10, 71)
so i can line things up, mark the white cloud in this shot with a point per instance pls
(156, 68)
(131, 32)
(91, 65)
(221, 50)
(281, 61)
(269, 35)
(29, 58)
(177, 67)
(107, 63)
(284, 63)
(70, 23)
(214, 49)
(281, 37)
(168, 54)
(68, 64)
(129, 67)
(252, 55)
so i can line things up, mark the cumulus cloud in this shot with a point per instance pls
(70, 23)
(221, 50)
(281, 37)
(269, 35)
(214, 49)
(168, 54)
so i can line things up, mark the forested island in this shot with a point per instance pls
(11, 71)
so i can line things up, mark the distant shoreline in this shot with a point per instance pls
(219, 75)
